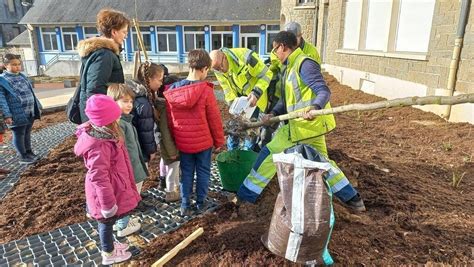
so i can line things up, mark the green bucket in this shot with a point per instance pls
(234, 166)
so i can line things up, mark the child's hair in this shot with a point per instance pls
(147, 71)
(9, 57)
(119, 90)
(110, 19)
(115, 130)
(199, 59)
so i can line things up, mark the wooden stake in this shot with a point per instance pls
(168, 256)
(398, 102)
(139, 38)
(136, 63)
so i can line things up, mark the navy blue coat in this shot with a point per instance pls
(10, 104)
(143, 119)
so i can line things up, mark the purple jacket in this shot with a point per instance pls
(109, 178)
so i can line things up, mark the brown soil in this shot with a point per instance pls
(402, 160)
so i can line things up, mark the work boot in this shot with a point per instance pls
(356, 203)
(162, 184)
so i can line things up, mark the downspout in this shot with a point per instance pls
(453, 67)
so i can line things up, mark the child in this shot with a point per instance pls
(109, 185)
(149, 80)
(196, 126)
(123, 96)
(3, 127)
(169, 162)
(20, 107)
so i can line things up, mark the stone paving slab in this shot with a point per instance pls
(42, 141)
(79, 244)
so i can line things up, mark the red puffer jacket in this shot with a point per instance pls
(194, 117)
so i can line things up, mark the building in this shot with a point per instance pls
(11, 11)
(392, 49)
(170, 28)
(21, 45)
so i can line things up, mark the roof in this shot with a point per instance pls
(85, 11)
(23, 39)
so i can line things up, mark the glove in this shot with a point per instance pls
(109, 213)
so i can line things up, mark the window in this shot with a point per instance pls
(50, 43)
(378, 24)
(11, 6)
(272, 31)
(146, 36)
(305, 2)
(221, 37)
(69, 38)
(351, 24)
(394, 26)
(166, 39)
(90, 32)
(193, 38)
(414, 25)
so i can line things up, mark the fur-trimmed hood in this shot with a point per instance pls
(87, 46)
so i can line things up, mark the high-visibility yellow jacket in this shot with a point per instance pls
(298, 97)
(247, 73)
(276, 67)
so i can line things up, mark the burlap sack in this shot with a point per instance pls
(303, 217)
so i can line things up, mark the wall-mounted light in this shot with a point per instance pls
(206, 28)
(262, 27)
(152, 28)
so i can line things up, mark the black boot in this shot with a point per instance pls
(162, 185)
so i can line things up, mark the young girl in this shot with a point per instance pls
(149, 80)
(196, 125)
(169, 161)
(109, 185)
(20, 106)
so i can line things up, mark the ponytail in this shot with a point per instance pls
(147, 71)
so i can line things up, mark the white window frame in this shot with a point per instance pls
(306, 2)
(268, 39)
(221, 33)
(89, 35)
(167, 33)
(52, 36)
(194, 35)
(390, 48)
(134, 32)
(74, 46)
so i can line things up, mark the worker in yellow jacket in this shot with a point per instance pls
(241, 72)
(303, 89)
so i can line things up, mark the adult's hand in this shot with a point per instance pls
(307, 114)
(8, 121)
(252, 100)
(266, 118)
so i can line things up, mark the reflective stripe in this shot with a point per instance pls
(246, 86)
(294, 83)
(232, 55)
(299, 105)
(252, 187)
(263, 73)
(261, 178)
(247, 55)
(338, 186)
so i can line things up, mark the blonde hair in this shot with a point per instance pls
(115, 130)
(119, 90)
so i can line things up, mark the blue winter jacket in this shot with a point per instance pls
(10, 104)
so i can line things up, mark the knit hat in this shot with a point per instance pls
(293, 27)
(102, 110)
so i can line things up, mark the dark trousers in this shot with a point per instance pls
(199, 163)
(106, 235)
(22, 138)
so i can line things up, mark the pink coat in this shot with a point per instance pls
(194, 117)
(109, 178)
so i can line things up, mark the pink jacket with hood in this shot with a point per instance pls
(109, 179)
